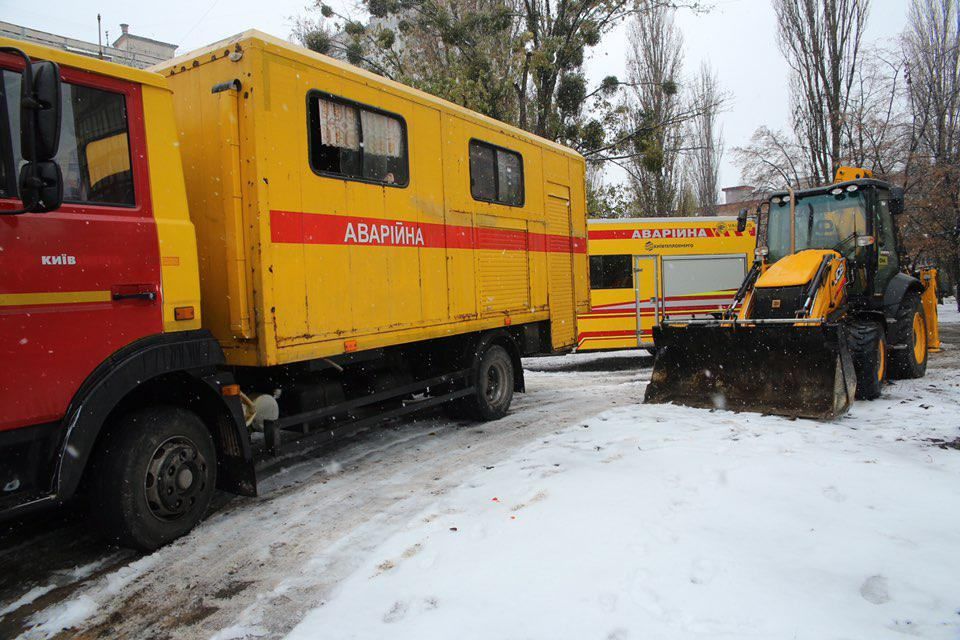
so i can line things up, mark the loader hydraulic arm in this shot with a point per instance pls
(815, 285)
(745, 288)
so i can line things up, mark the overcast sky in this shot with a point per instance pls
(737, 37)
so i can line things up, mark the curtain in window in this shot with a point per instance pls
(338, 125)
(382, 136)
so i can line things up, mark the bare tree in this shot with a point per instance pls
(821, 41)
(875, 131)
(931, 46)
(772, 160)
(707, 139)
(654, 63)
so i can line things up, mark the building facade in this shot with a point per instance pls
(129, 49)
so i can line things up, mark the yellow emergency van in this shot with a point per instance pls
(645, 269)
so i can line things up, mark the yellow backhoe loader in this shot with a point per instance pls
(824, 315)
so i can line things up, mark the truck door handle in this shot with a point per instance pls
(134, 292)
(143, 295)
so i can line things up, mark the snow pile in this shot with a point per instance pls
(669, 522)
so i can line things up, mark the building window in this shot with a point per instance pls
(356, 142)
(94, 152)
(496, 174)
(611, 272)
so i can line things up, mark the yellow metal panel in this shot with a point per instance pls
(560, 266)
(578, 216)
(427, 203)
(795, 269)
(928, 277)
(179, 277)
(232, 200)
(311, 284)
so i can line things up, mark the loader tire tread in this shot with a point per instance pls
(868, 349)
(903, 362)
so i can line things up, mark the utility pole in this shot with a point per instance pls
(99, 37)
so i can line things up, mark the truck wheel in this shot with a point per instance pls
(153, 477)
(494, 377)
(868, 348)
(911, 327)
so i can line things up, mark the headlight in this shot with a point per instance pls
(761, 251)
(865, 241)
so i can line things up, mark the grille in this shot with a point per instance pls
(777, 302)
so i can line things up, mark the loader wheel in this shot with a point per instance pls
(494, 377)
(868, 348)
(153, 478)
(911, 327)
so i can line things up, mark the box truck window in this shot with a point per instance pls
(349, 140)
(611, 272)
(691, 275)
(496, 174)
(94, 150)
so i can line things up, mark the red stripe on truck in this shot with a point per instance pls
(295, 227)
(666, 233)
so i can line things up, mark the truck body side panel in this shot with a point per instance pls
(336, 265)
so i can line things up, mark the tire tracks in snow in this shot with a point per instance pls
(256, 566)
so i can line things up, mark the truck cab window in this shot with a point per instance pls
(94, 152)
(611, 272)
(496, 174)
(351, 141)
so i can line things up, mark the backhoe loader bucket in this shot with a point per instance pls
(789, 370)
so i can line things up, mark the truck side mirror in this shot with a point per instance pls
(40, 95)
(896, 201)
(40, 180)
(41, 186)
(742, 221)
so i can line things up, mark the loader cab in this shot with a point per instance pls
(854, 218)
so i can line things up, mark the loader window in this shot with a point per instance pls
(94, 152)
(611, 272)
(496, 174)
(353, 141)
(823, 221)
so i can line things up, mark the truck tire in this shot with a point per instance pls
(495, 377)
(153, 477)
(911, 330)
(868, 348)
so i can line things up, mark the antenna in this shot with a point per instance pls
(99, 38)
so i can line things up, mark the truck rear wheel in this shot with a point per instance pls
(911, 360)
(495, 378)
(868, 348)
(153, 477)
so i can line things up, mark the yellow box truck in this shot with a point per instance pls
(250, 248)
(643, 270)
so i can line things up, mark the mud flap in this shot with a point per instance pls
(796, 371)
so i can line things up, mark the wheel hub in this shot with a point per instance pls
(175, 478)
(494, 387)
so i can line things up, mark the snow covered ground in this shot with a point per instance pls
(583, 514)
